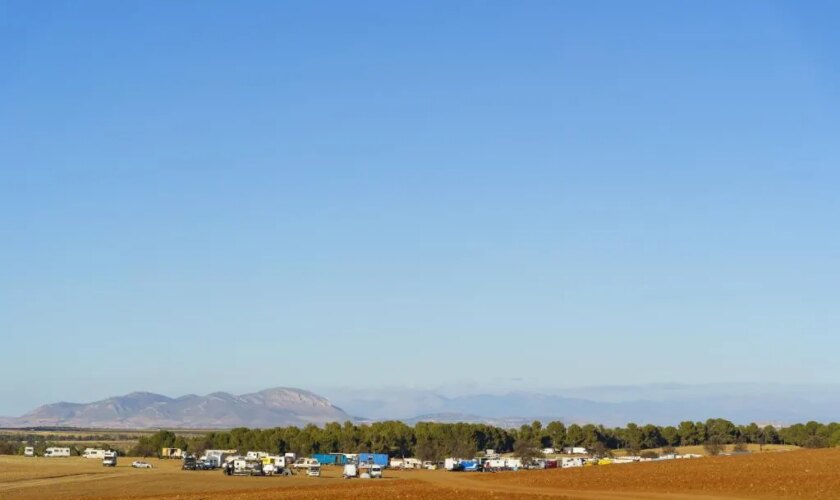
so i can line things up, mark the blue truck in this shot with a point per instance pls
(380, 459)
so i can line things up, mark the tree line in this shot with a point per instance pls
(434, 441)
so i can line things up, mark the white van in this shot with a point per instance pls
(29, 451)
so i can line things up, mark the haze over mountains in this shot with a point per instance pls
(608, 405)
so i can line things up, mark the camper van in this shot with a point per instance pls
(275, 464)
(57, 452)
(29, 451)
(109, 459)
(350, 470)
(94, 453)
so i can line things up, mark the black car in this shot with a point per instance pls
(189, 463)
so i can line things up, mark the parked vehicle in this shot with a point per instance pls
(330, 458)
(305, 463)
(314, 471)
(350, 471)
(376, 472)
(368, 459)
(94, 453)
(454, 464)
(190, 463)
(110, 459)
(245, 467)
(470, 465)
(57, 452)
(275, 464)
(216, 458)
(171, 453)
(429, 465)
(256, 455)
(139, 464)
(29, 451)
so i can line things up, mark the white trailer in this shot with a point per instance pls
(29, 451)
(57, 452)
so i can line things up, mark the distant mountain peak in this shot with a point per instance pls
(281, 406)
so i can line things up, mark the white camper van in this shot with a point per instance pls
(93, 453)
(57, 452)
(29, 451)
(109, 459)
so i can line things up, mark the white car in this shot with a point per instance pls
(137, 464)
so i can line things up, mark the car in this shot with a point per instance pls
(189, 463)
(139, 464)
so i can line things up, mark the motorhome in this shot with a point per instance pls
(566, 462)
(245, 467)
(94, 453)
(29, 451)
(405, 463)
(213, 459)
(275, 464)
(452, 464)
(255, 455)
(109, 459)
(57, 452)
(375, 471)
(305, 463)
(350, 470)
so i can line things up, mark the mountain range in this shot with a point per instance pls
(662, 404)
(612, 406)
(280, 406)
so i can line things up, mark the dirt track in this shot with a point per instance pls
(799, 474)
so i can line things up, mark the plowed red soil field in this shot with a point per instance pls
(794, 474)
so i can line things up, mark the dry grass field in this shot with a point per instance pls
(699, 450)
(794, 474)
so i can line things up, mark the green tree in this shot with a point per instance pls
(526, 450)
(574, 435)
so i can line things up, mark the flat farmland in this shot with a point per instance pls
(793, 474)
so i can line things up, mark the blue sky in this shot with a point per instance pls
(200, 196)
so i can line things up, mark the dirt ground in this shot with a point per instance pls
(794, 474)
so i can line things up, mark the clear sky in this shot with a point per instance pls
(200, 196)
